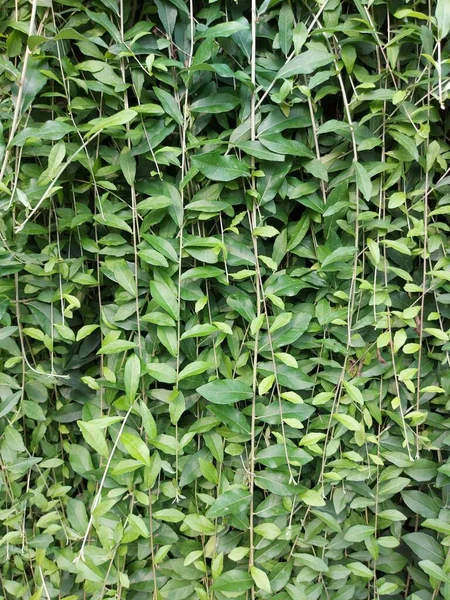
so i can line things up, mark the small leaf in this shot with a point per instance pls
(235, 582)
(95, 437)
(165, 298)
(169, 105)
(132, 375)
(200, 524)
(305, 63)
(223, 30)
(265, 231)
(169, 515)
(116, 346)
(121, 118)
(354, 393)
(363, 181)
(312, 498)
(226, 391)
(434, 571)
(313, 562)
(348, 421)
(231, 502)
(374, 250)
(219, 168)
(85, 331)
(125, 277)
(127, 163)
(136, 447)
(162, 372)
(195, 368)
(261, 580)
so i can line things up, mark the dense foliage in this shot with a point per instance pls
(224, 300)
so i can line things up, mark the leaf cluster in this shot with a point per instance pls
(224, 300)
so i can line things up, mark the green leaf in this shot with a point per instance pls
(358, 533)
(235, 581)
(65, 332)
(354, 393)
(347, 421)
(261, 580)
(217, 103)
(85, 331)
(116, 346)
(148, 421)
(374, 250)
(286, 30)
(280, 145)
(406, 142)
(437, 525)
(231, 502)
(169, 105)
(232, 417)
(421, 503)
(200, 330)
(312, 498)
(127, 163)
(305, 64)
(443, 18)
(424, 546)
(313, 562)
(132, 375)
(265, 231)
(434, 571)
(34, 81)
(162, 372)
(339, 255)
(94, 436)
(165, 298)
(268, 531)
(195, 368)
(363, 181)
(121, 118)
(136, 447)
(360, 570)
(169, 515)
(125, 277)
(226, 391)
(152, 257)
(219, 168)
(223, 30)
(200, 524)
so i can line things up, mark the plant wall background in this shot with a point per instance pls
(224, 300)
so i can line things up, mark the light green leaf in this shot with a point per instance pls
(348, 421)
(169, 515)
(305, 64)
(127, 163)
(132, 375)
(235, 581)
(136, 447)
(121, 118)
(94, 436)
(363, 181)
(195, 368)
(162, 372)
(116, 346)
(261, 580)
(443, 18)
(354, 393)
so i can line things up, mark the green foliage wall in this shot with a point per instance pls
(224, 300)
